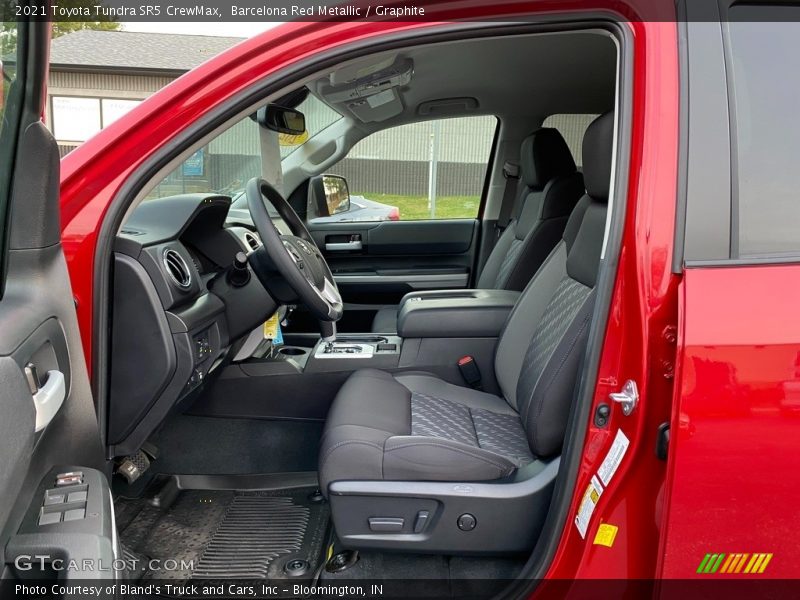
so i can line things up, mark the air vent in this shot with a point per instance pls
(251, 241)
(177, 269)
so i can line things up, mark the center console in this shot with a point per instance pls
(350, 352)
(299, 380)
(454, 313)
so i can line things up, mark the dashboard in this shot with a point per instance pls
(176, 317)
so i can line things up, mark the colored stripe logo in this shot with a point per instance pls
(737, 562)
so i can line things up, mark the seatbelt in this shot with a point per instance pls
(511, 174)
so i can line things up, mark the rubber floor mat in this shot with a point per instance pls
(221, 534)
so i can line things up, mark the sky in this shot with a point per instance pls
(222, 29)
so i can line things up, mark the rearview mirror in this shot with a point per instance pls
(281, 119)
(328, 195)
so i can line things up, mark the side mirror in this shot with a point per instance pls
(328, 195)
(281, 119)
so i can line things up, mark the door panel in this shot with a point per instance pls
(733, 440)
(48, 423)
(387, 259)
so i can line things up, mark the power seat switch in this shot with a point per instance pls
(466, 522)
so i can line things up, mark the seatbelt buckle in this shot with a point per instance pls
(470, 371)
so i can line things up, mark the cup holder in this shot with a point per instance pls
(291, 351)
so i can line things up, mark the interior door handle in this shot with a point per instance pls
(49, 398)
(334, 246)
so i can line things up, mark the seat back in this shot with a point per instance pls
(550, 188)
(542, 345)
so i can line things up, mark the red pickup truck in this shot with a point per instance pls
(595, 374)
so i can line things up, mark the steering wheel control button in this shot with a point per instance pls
(466, 522)
(421, 521)
(49, 518)
(386, 524)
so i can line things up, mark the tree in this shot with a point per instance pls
(64, 27)
(8, 33)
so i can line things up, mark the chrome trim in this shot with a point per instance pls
(251, 240)
(165, 259)
(339, 246)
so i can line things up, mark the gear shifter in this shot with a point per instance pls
(328, 331)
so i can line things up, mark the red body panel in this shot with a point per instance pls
(734, 458)
(639, 342)
(645, 298)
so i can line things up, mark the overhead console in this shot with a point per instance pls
(370, 92)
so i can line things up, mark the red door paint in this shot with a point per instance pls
(645, 298)
(734, 456)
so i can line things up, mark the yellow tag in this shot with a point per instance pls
(271, 327)
(606, 534)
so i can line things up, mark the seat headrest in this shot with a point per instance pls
(598, 144)
(544, 155)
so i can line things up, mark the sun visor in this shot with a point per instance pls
(398, 74)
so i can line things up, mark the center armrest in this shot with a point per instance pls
(454, 313)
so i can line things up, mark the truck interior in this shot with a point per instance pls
(410, 418)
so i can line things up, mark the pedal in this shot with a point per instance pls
(132, 467)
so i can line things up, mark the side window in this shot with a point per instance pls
(571, 127)
(764, 87)
(427, 170)
(74, 119)
(222, 166)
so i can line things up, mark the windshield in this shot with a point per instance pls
(319, 116)
(231, 159)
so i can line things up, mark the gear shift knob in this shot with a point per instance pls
(328, 330)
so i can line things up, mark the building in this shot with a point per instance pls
(97, 76)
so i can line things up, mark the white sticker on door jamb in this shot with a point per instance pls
(588, 503)
(614, 457)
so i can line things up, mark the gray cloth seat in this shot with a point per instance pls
(550, 187)
(416, 427)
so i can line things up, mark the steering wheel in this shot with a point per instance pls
(290, 259)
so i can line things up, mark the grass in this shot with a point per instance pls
(416, 207)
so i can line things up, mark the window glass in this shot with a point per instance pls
(571, 127)
(75, 119)
(764, 51)
(318, 115)
(427, 170)
(223, 166)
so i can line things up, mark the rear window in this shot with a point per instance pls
(764, 87)
(571, 127)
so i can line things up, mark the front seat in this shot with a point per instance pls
(550, 188)
(416, 428)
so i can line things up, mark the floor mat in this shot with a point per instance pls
(222, 534)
